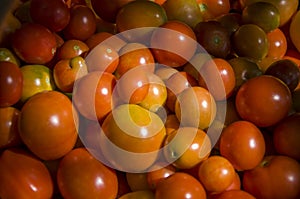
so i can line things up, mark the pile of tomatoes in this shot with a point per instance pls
(132, 99)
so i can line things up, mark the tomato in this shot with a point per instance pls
(165, 41)
(186, 147)
(180, 186)
(263, 100)
(144, 194)
(34, 180)
(132, 137)
(47, 125)
(186, 11)
(96, 102)
(195, 107)
(233, 194)
(34, 43)
(11, 81)
(82, 23)
(277, 43)
(294, 30)
(7, 55)
(285, 136)
(242, 143)
(137, 181)
(54, 14)
(110, 39)
(212, 9)
(158, 172)
(72, 48)
(9, 118)
(275, 177)
(216, 174)
(209, 73)
(93, 178)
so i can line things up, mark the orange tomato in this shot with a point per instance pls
(211, 9)
(277, 44)
(294, 30)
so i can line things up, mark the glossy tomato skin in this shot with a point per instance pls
(11, 81)
(34, 43)
(33, 178)
(93, 179)
(72, 48)
(82, 23)
(263, 100)
(180, 186)
(275, 177)
(54, 14)
(47, 125)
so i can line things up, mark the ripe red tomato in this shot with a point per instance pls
(93, 179)
(180, 186)
(34, 43)
(11, 81)
(53, 14)
(275, 177)
(263, 100)
(47, 125)
(22, 175)
(242, 143)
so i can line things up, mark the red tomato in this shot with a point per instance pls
(93, 179)
(11, 81)
(242, 143)
(47, 125)
(275, 177)
(53, 14)
(34, 43)
(263, 100)
(72, 48)
(22, 175)
(180, 186)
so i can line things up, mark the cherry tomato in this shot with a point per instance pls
(242, 143)
(180, 186)
(145, 194)
(233, 194)
(277, 43)
(165, 41)
(216, 174)
(72, 48)
(275, 177)
(11, 81)
(7, 55)
(93, 178)
(54, 14)
(263, 100)
(82, 23)
(34, 43)
(137, 181)
(34, 180)
(158, 172)
(51, 113)
(106, 38)
(212, 9)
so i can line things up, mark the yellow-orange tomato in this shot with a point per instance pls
(186, 147)
(195, 107)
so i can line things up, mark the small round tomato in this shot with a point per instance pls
(243, 144)
(165, 41)
(34, 180)
(286, 135)
(7, 55)
(263, 100)
(51, 113)
(82, 23)
(9, 118)
(216, 174)
(54, 14)
(277, 43)
(72, 48)
(105, 38)
(214, 69)
(180, 186)
(186, 147)
(158, 172)
(233, 194)
(275, 177)
(137, 181)
(210, 9)
(34, 43)
(145, 194)
(11, 81)
(93, 178)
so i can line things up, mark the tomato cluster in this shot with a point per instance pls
(149, 99)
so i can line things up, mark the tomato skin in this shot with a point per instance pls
(180, 186)
(34, 43)
(275, 177)
(242, 143)
(47, 125)
(72, 48)
(211, 9)
(233, 194)
(33, 178)
(263, 100)
(11, 81)
(94, 179)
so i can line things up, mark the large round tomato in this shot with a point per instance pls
(47, 125)
(275, 177)
(80, 175)
(22, 175)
